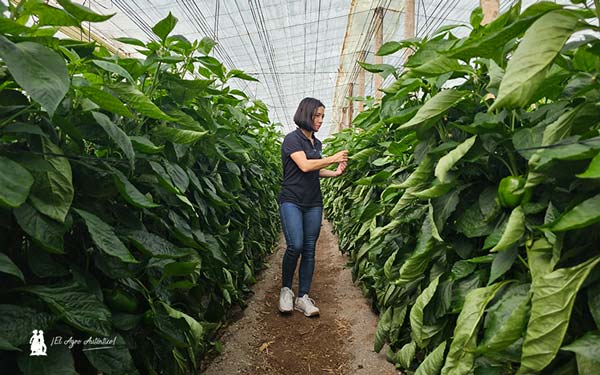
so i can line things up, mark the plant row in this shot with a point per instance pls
(471, 206)
(137, 196)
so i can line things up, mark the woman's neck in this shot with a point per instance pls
(307, 133)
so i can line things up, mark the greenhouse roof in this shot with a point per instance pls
(295, 48)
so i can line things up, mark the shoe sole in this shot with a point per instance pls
(285, 311)
(316, 313)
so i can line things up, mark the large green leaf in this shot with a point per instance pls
(436, 106)
(515, 228)
(114, 68)
(143, 144)
(58, 361)
(7, 266)
(18, 322)
(155, 245)
(77, 306)
(52, 192)
(416, 314)
(105, 238)
(593, 170)
(138, 101)
(461, 356)
(114, 360)
(503, 262)
(130, 192)
(383, 329)
(405, 355)
(105, 100)
(449, 160)
(506, 320)
(117, 135)
(582, 215)
(15, 183)
(527, 67)
(164, 27)
(593, 298)
(40, 71)
(553, 298)
(432, 364)
(46, 232)
(196, 329)
(588, 346)
(83, 13)
(180, 136)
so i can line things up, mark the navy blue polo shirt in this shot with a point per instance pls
(299, 187)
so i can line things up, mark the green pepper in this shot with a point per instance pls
(511, 191)
(121, 301)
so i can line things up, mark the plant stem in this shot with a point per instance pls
(12, 117)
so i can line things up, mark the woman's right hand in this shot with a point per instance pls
(340, 157)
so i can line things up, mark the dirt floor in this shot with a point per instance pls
(340, 341)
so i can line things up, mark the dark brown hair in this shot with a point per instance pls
(304, 114)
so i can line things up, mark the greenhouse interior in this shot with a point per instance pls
(367, 187)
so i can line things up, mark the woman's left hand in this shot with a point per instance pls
(341, 168)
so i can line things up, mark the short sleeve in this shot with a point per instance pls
(290, 145)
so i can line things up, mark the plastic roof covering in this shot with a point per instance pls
(293, 47)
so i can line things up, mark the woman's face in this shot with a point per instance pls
(317, 118)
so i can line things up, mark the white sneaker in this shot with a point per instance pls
(286, 300)
(307, 306)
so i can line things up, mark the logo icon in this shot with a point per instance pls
(38, 347)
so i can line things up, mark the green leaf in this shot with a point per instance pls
(40, 71)
(130, 193)
(241, 75)
(515, 229)
(582, 215)
(461, 357)
(383, 329)
(15, 183)
(180, 269)
(164, 27)
(138, 101)
(180, 136)
(9, 267)
(83, 13)
(196, 328)
(432, 364)
(593, 298)
(503, 261)
(114, 360)
(105, 238)
(587, 345)
(45, 231)
(132, 41)
(392, 47)
(52, 191)
(105, 100)
(155, 245)
(50, 16)
(144, 145)
(553, 298)
(117, 135)
(58, 361)
(434, 107)
(383, 69)
(77, 306)
(18, 322)
(405, 356)
(114, 68)
(527, 67)
(593, 170)
(449, 160)
(441, 65)
(506, 320)
(416, 314)
(206, 45)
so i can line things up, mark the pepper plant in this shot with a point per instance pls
(137, 196)
(471, 208)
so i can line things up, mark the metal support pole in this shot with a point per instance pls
(409, 25)
(490, 10)
(361, 82)
(378, 59)
(351, 104)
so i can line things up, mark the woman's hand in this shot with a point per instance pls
(340, 157)
(341, 168)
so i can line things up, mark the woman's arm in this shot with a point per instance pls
(309, 165)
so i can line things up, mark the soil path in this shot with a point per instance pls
(340, 341)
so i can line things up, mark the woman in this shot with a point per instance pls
(301, 203)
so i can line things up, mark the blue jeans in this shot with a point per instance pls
(301, 227)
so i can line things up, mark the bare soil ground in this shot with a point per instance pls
(340, 341)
